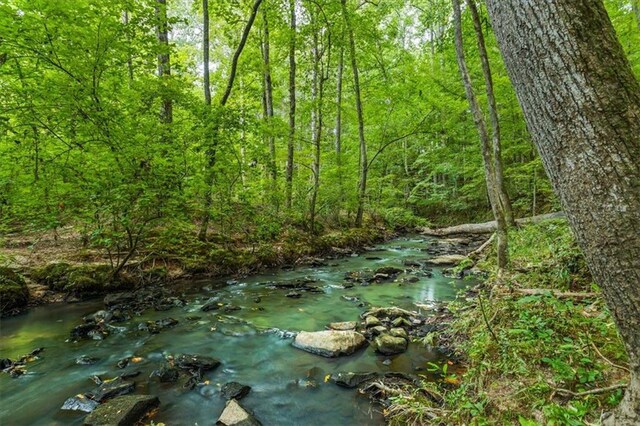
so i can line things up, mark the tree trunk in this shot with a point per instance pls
(636, 11)
(164, 62)
(487, 153)
(362, 184)
(268, 98)
(581, 102)
(292, 102)
(503, 196)
(125, 21)
(205, 52)
(209, 174)
(338, 135)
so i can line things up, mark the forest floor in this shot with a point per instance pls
(536, 343)
(60, 266)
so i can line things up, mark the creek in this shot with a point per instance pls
(288, 386)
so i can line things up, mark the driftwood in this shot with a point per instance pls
(486, 227)
(592, 391)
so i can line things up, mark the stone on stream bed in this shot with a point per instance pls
(234, 390)
(122, 411)
(351, 380)
(111, 389)
(390, 345)
(343, 326)
(80, 402)
(329, 343)
(234, 415)
(196, 362)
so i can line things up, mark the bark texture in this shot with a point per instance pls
(581, 102)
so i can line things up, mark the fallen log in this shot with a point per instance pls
(554, 293)
(486, 227)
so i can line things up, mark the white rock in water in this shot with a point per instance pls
(329, 343)
(234, 415)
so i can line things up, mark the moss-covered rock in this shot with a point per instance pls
(54, 275)
(14, 294)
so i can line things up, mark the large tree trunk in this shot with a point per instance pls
(581, 102)
(292, 103)
(164, 62)
(364, 165)
(487, 152)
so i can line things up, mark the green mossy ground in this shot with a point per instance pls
(521, 353)
(14, 294)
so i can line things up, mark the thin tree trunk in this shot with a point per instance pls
(164, 61)
(581, 103)
(636, 11)
(205, 52)
(292, 102)
(268, 97)
(362, 184)
(505, 201)
(209, 174)
(125, 21)
(489, 166)
(338, 135)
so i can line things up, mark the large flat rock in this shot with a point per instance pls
(329, 343)
(122, 411)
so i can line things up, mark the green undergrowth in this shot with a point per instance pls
(13, 291)
(525, 357)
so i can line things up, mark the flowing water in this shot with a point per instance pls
(287, 383)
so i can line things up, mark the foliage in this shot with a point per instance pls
(536, 344)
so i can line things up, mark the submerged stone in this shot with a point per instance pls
(329, 343)
(196, 362)
(111, 389)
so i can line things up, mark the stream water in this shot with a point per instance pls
(287, 383)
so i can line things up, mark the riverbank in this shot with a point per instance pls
(55, 267)
(536, 345)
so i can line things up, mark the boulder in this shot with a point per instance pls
(447, 259)
(351, 380)
(234, 415)
(329, 343)
(234, 390)
(390, 345)
(343, 326)
(168, 374)
(122, 411)
(378, 329)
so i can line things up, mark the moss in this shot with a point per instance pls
(14, 293)
(54, 275)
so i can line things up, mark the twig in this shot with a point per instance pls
(486, 321)
(592, 391)
(609, 361)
